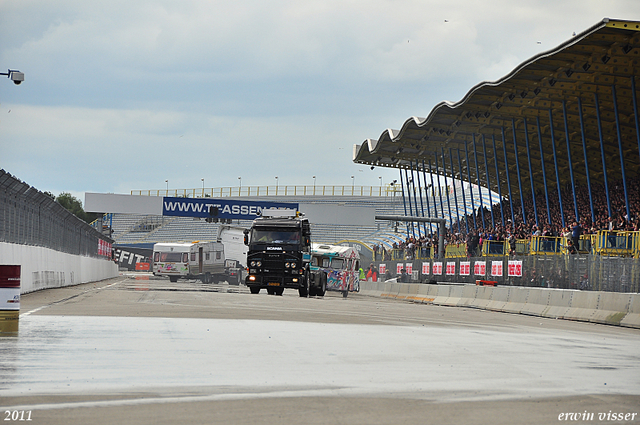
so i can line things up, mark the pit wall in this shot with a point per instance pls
(43, 268)
(611, 308)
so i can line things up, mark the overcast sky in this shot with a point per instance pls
(122, 95)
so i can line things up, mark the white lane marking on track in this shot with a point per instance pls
(59, 301)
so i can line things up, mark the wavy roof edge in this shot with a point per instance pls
(392, 135)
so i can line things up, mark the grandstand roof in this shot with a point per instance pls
(602, 61)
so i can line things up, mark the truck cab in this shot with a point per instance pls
(279, 252)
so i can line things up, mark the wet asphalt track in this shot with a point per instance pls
(147, 351)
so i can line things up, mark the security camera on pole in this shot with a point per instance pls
(16, 76)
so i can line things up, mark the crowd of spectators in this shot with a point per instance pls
(489, 223)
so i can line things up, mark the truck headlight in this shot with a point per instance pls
(293, 265)
(286, 265)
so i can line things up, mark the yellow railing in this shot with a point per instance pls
(312, 190)
(495, 248)
(456, 251)
(617, 243)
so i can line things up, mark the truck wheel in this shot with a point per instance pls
(173, 279)
(278, 291)
(271, 291)
(322, 289)
(345, 294)
(207, 278)
(254, 289)
(305, 290)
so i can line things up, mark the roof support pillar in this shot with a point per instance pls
(495, 158)
(444, 171)
(515, 149)
(433, 191)
(586, 162)
(440, 187)
(555, 162)
(624, 177)
(486, 170)
(420, 192)
(426, 193)
(604, 161)
(415, 196)
(544, 174)
(475, 156)
(473, 207)
(404, 200)
(455, 194)
(506, 169)
(568, 139)
(635, 109)
(440, 221)
(464, 200)
(533, 190)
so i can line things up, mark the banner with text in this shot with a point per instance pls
(223, 209)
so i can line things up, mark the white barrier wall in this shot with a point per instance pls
(590, 306)
(43, 268)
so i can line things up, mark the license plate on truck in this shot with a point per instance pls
(274, 284)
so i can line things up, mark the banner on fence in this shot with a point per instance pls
(465, 268)
(451, 268)
(437, 268)
(496, 268)
(409, 268)
(515, 268)
(480, 268)
(425, 268)
(382, 269)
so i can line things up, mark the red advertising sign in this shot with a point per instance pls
(399, 268)
(515, 268)
(382, 269)
(480, 268)
(409, 268)
(425, 268)
(437, 268)
(451, 269)
(465, 268)
(496, 268)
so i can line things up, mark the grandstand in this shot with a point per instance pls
(144, 230)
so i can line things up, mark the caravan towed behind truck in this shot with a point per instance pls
(203, 261)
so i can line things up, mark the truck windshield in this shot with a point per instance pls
(275, 236)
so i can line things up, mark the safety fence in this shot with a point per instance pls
(276, 190)
(604, 243)
(30, 217)
(583, 272)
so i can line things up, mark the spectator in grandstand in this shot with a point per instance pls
(576, 232)
(571, 248)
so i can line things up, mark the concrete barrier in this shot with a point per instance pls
(537, 302)
(583, 306)
(612, 308)
(426, 294)
(455, 296)
(483, 297)
(499, 298)
(598, 307)
(559, 303)
(44, 268)
(632, 319)
(391, 290)
(517, 299)
(404, 291)
(442, 294)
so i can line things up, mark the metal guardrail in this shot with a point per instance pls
(30, 217)
(240, 191)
